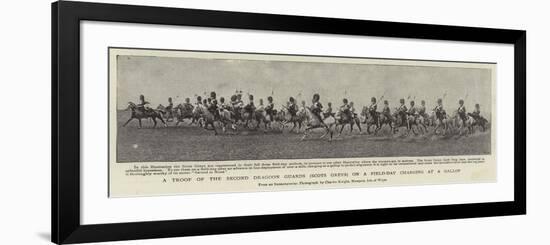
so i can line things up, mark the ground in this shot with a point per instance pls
(190, 142)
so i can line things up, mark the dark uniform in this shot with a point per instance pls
(412, 110)
(345, 108)
(292, 107)
(317, 107)
(142, 103)
(269, 108)
(422, 109)
(402, 110)
(386, 110)
(476, 114)
(462, 110)
(250, 107)
(439, 111)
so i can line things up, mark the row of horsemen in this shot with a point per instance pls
(206, 111)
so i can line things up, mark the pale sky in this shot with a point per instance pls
(161, 77)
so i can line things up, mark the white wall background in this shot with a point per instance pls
(25, 137)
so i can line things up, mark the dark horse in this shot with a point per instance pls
(343, 119)
(144, 113)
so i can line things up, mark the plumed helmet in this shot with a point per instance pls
(222, 99)
(412, 102)
(477, 105)
(269, 98)
(199, 98)
(250, 97)
(316, 96)
(345, 101)
(141, 97)
(401, 100)
(170, 99)
(233, 97)
(329, 104)
(461, 101)
(187, 99)
(439, 100)
(213, 94)
(385, 102)
(291, 99)
(373, 99)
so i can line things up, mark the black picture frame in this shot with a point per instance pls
(66, 18)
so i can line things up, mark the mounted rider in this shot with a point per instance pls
(413, 112)
(199, 101)
(328, 112)
(187, 106)
(462, 111)
(476, 114)
(292, 107)
(372, 110)
(402, 110)
(169, 109)
(386, 109)
(422, 109)
(250, 107)
(142, 105)
(439, 111)
(269, 108)
(224, 105)
(317, 108)
(345, 108)
(213, 105)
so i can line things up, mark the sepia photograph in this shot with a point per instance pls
(174, 106)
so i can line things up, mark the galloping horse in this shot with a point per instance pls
(314, 122)
(369, 120)
(460, 124)
(418, 121)
(209, 118)
(143, 113)
(183, 113)
(296, 120)
(444, 122)
(343, 119)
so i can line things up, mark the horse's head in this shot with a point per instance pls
(131, 106)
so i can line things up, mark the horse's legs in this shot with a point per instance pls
(127, 122)
(342, 129)
(358, 122)
(162, 120)
(213, 128)
(305, 134)
(139, 119)
(154, 122)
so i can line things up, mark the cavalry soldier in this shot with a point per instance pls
(372, 109)
(212, 97)
(169, 109)
(261, 105)
(187, 105)
(250, 107)
(439, 111)
(345, 108)
(328, 112)
(402, 110)
(476, 114)
(213, 108)
(462, 110)
(412, 110)
(142, 105)
(199, 101)
(292, 107)
(386, 109)
(422, 109)
(303, 107)
(223, 105)
(317, 108)
(269, 108)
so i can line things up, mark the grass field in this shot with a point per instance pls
(186, 143)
